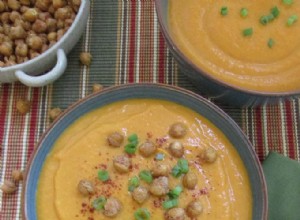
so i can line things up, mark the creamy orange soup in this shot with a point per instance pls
(266, 60)
(82, 150)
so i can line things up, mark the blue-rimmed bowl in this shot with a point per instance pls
(153, 91)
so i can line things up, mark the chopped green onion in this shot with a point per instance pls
(247, 32)
(176, 171)
(159, 156)
(244, 12)
(170, 203)
(174, 193)
(291, 20)
(146, 176)
(99, 203)
(133, 183)
(103, 175)
(133, 138)
(270, 43)
(275, 12)
(130, 148)
(265, 19)
(287, 2)
(224, 11)
(142, 214)
(184, 165)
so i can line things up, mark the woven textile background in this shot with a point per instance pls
(127, 46)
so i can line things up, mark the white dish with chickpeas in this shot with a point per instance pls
(36, 35)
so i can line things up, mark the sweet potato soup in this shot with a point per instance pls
(253, 45)
(143, 159)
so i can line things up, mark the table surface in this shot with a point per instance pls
(127, 46)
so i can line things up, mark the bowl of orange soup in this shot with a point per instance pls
(144, 151)
(242, 53)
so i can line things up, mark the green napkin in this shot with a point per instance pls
(283, 182)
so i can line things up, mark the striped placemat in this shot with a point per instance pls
(127, 46)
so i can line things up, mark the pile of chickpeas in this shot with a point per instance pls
(29, 27)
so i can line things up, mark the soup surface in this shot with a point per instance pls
(249, 44)
(83, 150)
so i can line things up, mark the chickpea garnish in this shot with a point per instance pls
(177, 130)
(30, 15)
(194, 209)
(97, 87)
(54, 113)
(190, 180)
(34, 42)
(86, 187)
(176, 149)
(8, 187)
(85, 58)
(115, 139)
(23, 106)
(208, 155)
(17, 175)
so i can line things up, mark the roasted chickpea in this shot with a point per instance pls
(175, 214)
(54, 113)
(159, 186)
(115, 139)
(112, 207)
(21, 50)
(30, 15)
(23, 9)
(160, 170)
(8, 187)
(194, 209)
(60, 34)
(25, 2)
(176, 149)
(190, 180)
(51, 25)
(43, 16)
(14, 15)
(86, 187)
(33, 54)
(17, 175)
(97, 87)
(13, 4)
(208, 155)
(62, 14)
(23, 106)
(122, 163)
(34, 42)
(147, 149)
(17, 32)
(26, 25)
(58, 4)
(2, 6)
(140, 194)
(43, 5)
(85, 58)
(177, 130)
(21, 59)
(60, 24)
(39, 26)
(5, 17)
(52, 36)
(6, 49)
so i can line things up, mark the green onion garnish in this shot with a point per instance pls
(176, 171)
(130, 148)
(248, 32)
(99, 203)
(224, 11)
(142, 214)
(103, 175)
(291, 20)
(275, 12)
(170, 203)
(159, 156)
(266, 19)
(244, 12)
(184, 165)
(133, 183)
(270, 43)
(146, 176)
(132, 138)
(174, 193)
(287, 2)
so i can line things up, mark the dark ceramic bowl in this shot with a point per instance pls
(213, 87)
(154, 91)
